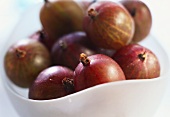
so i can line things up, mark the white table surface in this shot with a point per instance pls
(10, 13)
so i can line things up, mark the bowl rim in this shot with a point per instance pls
(110, 84)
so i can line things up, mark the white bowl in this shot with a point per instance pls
(131, 98)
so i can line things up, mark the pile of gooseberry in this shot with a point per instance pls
(83, 44)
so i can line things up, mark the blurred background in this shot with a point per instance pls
(11, 11)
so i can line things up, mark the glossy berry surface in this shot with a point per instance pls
(137, 62)
(51, 83)
(24, 60)
(108, 24)
(142, 17)
(96, 69)
(67, 49)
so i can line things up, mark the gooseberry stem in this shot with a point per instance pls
(142, 56)
(20, 53)
(92, 13)
(84, 60)
(93, 1)
(63, 44)
(42, 35)
(133, 13)
(68, 84)
(46, 1)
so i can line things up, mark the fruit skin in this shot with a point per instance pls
(67, 49)
(109, 25)
(142, 18)
(24, 60)
(51, 83)
(96, 69)
(137, 62)
(61, 17)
